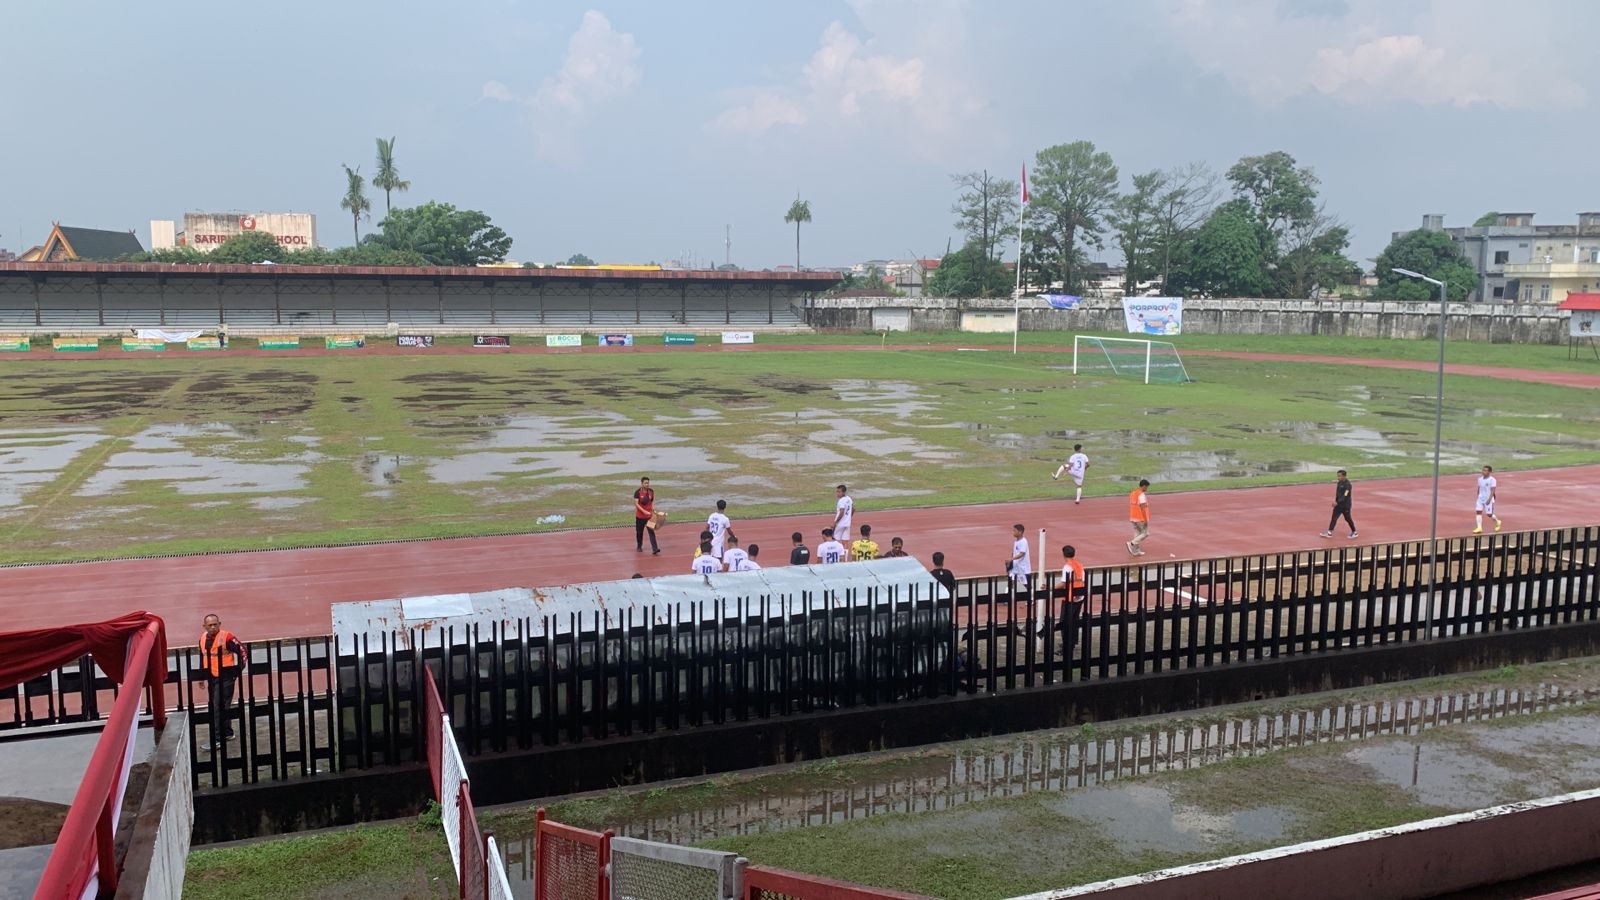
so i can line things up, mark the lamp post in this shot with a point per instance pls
(1438, 435)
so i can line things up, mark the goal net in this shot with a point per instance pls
(1149, 361)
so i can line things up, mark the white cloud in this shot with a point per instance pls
(601, 65)
(884, 69)
(1374, 52)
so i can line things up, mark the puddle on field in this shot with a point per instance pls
(381, 469)
(33, 457)
(778, 448)
(605, 444)
(1067, 763)
(166, 453)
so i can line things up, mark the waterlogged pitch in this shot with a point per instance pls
(110, 457)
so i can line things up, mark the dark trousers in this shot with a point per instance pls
(639, 531)
(221, 696)
(1341, 511)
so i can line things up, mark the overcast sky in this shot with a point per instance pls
(636, 130)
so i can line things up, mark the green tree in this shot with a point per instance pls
(355, 198)
(1488, 218)
(1280, 194)
(1134, 217)
(578, 259)
(1190, 195)
(1433, 254)
(799, 211)
(387, 178)
(1228, 251)
(1316, 262)
(1074, 187)
(248, 248)
(985, 208)
(444, 235)
(969, 273)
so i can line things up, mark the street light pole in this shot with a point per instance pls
(1438, 440)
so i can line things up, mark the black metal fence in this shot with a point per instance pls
(318, 705)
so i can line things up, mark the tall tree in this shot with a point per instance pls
(1433, 254)
(799, 211)
(1074, 186)
(1280, 194)
(969, 273)
(579, 259)
(1190, 195)
(1135, 218)
(1228, 254)
(985, 208)
(1313, 257)
(387, 178)
(444, 235)
(355, 198)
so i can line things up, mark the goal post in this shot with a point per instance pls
(1150, 361)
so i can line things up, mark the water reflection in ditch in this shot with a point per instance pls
(1066, 761)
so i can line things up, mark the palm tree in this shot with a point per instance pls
(387, 178)
(799, 211)
(355, 198)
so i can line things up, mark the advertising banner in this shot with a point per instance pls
(1062, 301)
(615, 340)
(279, 342)
(491, 340)
(162, 334)
(14, 343)
(563, 340)
(343, 341)
(414, 340)
(738, 337)
(675, 338)
(204, 343)
(1153, 315)
(143, 344)
(76, 345)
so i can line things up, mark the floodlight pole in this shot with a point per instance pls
(1438, 436)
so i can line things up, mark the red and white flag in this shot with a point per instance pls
(1024, 183)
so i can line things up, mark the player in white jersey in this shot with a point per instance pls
(830, 550)
(718, 524)
(1485, 505)
(733, 555)
(749, 564)
(1076, 465)
(1019, 565)
(842, 511)
(705, 563)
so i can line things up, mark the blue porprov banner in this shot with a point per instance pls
(1062, 301)
(615, 340)
(1153, 315)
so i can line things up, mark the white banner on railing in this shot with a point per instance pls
(1153, 315)
(161, 334)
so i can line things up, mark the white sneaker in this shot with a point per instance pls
(1132, 550)
(1327, 534)
(1355, 534)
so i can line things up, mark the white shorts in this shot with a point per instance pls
(841, 532)
(1486, 506)
(716, 544)
(1077, 480)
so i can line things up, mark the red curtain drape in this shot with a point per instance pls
(28, 654)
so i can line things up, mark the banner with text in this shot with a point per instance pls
(615, 340)
(491, 340)
(76, 345)
(563, 340)
(15, 343)
(672, 337)
(203, 343)
(279, 342)
(738, 337)
(162, 334)
(1062, 301)
(148, 345)
(414, 340)
(1153, 315)
(343, 342)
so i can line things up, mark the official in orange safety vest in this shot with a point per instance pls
(221, 658)
(1139, 515)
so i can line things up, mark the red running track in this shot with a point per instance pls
(287, 593)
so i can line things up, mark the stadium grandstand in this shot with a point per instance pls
(107, 298)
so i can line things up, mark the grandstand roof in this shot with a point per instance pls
(804, 280)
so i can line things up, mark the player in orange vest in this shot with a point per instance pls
(221, 658)
(1139, 515)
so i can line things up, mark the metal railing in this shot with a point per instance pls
(317, 705)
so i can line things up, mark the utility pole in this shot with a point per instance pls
(727, 245)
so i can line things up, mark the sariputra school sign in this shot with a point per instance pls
(205, 231)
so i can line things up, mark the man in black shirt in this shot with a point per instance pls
(1341, 506)
(801, 554)
(941, 574)
(644, 512)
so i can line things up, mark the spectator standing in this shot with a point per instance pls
(644, 512)
(221, 659)
(1139, 515)
(799, 554)
(842, 511)
(865, 548)
(1485, 506)
(1342, 504)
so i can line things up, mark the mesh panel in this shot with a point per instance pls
(451, 773)
(474, 868)
(567, 869)
(646, 870)
(499, 882)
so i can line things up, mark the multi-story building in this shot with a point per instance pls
(1518, 261)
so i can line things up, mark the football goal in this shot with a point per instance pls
(1150, 361)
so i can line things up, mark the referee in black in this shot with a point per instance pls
(1341, 506)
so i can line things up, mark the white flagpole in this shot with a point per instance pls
(1016, 292)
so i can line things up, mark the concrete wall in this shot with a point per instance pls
(1488, 322)
(158, 848)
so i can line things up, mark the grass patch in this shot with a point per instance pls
(404, 860)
